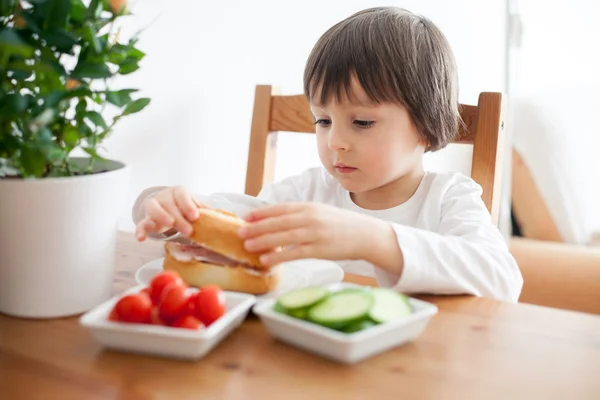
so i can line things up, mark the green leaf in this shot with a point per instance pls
(44, 136)
(127, 67)
(12, 45)
(9, 144)
(13, 104)
(32, 161)
(136, 106)
(89, 33)
(22, 75)
(92, 152)
(78, 11)
(120, 98)
(53, 98)
(7, 6)
(70, 136)
(56, 12)
(30, 21)
(56, 154)
(91, 70)
(135, 54)
(95, 9)
(117, 54)
(81, 107)
(96, 119)
(62, 40)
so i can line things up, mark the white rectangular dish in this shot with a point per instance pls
(165, 341)
(343, 347)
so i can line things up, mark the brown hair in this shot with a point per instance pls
(396, 56)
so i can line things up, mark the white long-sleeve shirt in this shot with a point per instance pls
(448, 242)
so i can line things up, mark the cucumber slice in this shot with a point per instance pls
(389, 305)
(300, 313)
(302, 298)
(358, 326)
(342, 308)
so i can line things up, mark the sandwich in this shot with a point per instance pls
(216, 256)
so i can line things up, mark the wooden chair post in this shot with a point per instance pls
(263, 142)
(488, 148)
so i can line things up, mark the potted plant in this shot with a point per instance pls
(60, 199)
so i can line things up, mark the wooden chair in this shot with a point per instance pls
(548, 279)
(483, 128)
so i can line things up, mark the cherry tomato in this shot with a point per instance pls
(187, 322)
(210, 304)
(147, 291)
(191, 304)
(161, 281)
(113, 316)
(173, 302)
(134, 308)
(155, 318)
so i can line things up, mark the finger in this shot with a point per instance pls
(144, 226)
(278, 239)
(181, 224)
(185, 203)
(288, 254)
(272, 224)
(156, 212)
(273, 211)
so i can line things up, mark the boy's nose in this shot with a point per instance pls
(337, 140)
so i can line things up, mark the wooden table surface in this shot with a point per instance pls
(473, 349)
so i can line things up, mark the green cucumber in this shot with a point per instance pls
(348, 306)
(302, 298)
(300, 314)
(389, 305)
(358, 326)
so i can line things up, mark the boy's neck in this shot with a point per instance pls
(392, 194)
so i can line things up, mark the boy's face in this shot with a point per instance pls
(367, 146)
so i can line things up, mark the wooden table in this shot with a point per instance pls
(473, 349)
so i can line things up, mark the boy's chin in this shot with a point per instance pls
(354, 185)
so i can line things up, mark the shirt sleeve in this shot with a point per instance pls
(287, 190)
(467, 255)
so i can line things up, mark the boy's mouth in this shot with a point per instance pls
(344, 169)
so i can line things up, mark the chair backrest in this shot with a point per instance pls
(483, 127)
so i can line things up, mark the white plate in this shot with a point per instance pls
(294, 275)
(165, 341)
(342, 347)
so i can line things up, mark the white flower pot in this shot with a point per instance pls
(58, 241)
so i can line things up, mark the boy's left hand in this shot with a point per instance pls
(308, 230)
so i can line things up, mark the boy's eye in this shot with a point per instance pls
(364, 124)
(323, 122)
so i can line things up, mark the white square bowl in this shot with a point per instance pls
(162, 341)
(343, 347)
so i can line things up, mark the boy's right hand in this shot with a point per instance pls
(172, 208)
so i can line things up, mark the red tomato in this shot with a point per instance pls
(187, 322)
(161, 281)
(134, 308)
(147, 291)
(191, 304)
(113, 316)
(173, 302)
(210, 304)
(155, 318)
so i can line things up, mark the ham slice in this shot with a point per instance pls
(188, 252)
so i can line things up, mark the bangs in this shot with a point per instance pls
(348, 53)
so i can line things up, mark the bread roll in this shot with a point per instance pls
(199, 272)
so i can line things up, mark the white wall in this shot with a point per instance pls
(204, 59)
(556, 81)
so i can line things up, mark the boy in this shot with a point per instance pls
(382, 86)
